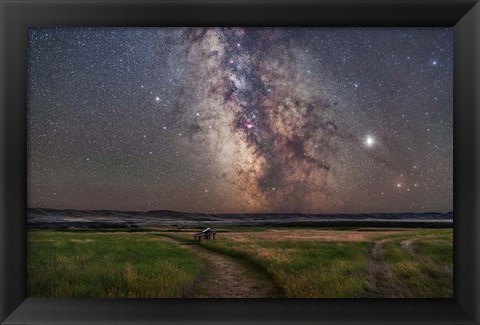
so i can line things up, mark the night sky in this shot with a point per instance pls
(310, 120)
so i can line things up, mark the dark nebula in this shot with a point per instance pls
(310, 120)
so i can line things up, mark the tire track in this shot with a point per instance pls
(381, 283)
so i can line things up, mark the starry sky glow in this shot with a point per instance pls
(309, 120)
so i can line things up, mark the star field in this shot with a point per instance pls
(310, 120)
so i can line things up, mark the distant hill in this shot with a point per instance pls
(51, 218)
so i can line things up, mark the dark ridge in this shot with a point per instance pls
(68, 218)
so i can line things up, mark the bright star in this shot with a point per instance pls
(434, 62)
(157, 99)
(369, 141)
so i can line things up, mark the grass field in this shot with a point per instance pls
(303, 262)
(76, 264)
(340, 263)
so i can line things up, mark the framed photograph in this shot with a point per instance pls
(309, 162)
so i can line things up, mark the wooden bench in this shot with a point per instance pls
(206, 234)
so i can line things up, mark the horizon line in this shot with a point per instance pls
(170, 210)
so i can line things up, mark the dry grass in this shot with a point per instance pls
(333, 263)
(316, 235)
(276, 235)
(81, 241)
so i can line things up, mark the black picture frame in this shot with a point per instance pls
(17, 15)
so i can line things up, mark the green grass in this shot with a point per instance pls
(323, 269)
(311, 263)
(75, 264)
(438, 252)
(306, 269)
(423, 270)
(417, 277)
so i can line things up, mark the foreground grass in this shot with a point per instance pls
(339, 263)
(68, 264)
(420, 264)
(303, 262)
(307, 270)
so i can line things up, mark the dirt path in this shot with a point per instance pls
(381, 283)
(227, 277)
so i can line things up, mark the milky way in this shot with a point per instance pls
(310, 120)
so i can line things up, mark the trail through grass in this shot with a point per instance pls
(310, 270)
(228, 277)
(302, 262)
(347, 263)
(421, 264)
